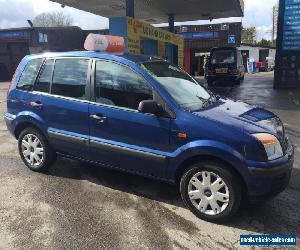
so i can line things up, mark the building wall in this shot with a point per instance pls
(272, 53)
(202, 38)
(254, 52)
(223, 31)
(58, 39)
(14, 45)
(17, 43)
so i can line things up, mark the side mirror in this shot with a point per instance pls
(151, 107)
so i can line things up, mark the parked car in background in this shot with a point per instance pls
(260, 66)
(225, 65)
(145, 116)
(265, 66)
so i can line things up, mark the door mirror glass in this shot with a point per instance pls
(151, 107)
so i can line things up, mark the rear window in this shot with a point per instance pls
(29, 74)
(223, 57)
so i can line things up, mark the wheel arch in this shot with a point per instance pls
(28, 119)
(23, 125)
(187, 163)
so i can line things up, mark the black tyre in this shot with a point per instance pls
(35, 150)
(211, 191)
(237, 82)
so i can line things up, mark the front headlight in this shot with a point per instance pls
(271, 144)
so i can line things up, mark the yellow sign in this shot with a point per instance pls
(137, 29)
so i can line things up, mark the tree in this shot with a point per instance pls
(266, 43)
(249, 35)
(53, 19)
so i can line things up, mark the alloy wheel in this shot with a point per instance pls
(208, 193)
(33, 150)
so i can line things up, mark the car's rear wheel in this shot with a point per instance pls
(211, 191)
(35, 151)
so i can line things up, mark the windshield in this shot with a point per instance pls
(186, 91)
(222, 57)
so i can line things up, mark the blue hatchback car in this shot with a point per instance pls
(145, 116)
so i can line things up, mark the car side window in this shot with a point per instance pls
(45, 78)
(120, 86)
(29, 74)
(70, 78)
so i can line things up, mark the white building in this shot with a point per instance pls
(257, 53)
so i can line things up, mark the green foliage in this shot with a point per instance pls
(266, 43)
(249, 35)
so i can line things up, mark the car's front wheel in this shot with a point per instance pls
(35, 151)
(211, 191)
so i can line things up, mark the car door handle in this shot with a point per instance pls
(98, 117)
(36, 104)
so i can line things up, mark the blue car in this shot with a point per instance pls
(145, 116)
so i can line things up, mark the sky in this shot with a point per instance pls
(14, 13)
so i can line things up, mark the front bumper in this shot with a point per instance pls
(267, 179)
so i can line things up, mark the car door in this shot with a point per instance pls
(120, 136)
(64, 84)
(24, 100)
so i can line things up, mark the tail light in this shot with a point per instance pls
(10, 84)
(12, 80)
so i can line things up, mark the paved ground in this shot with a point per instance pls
(79, 206)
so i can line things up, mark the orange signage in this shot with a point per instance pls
(104, 43)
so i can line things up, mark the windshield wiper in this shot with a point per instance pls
(212, 99)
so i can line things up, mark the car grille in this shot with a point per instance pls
(280, 182)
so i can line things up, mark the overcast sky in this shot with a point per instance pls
(14, 13)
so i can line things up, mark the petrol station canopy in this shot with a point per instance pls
(157, 11)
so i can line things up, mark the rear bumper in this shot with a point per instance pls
(267, 179)
(222, 77)
(9, 119)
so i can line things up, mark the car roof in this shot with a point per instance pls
(136, 58)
